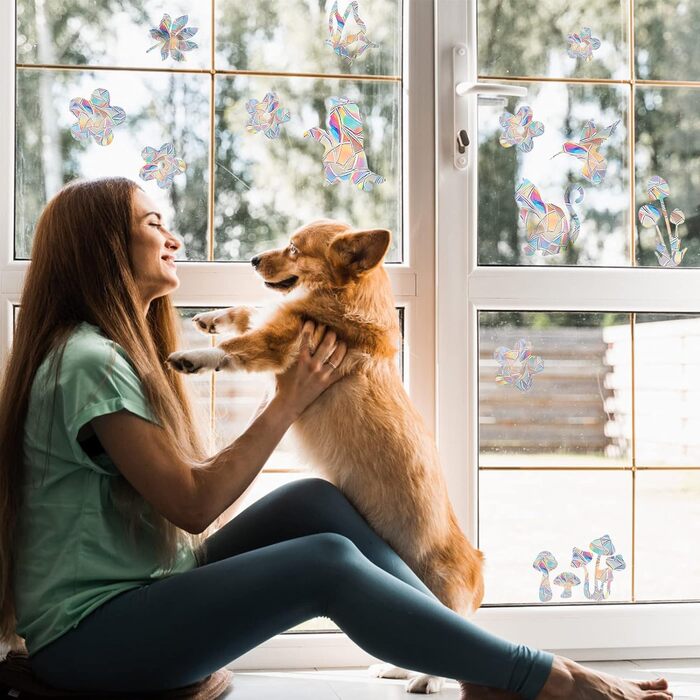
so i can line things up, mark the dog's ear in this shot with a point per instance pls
(358, 252)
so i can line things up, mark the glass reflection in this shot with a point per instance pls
(531, 38)
(107, 33)
(267, 187)
(590, 123)
(668, 526)
(566, 405)
(666, 40)
(666, 122)
(667, 382)
(160, 108)
(524, 513)
(291, 36)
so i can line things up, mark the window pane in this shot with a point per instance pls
(267, 187)
(531, 38)
(524, 513)
(666, 39)
(577, 407)
(666, 124)
(160, 108)
(109, 32)
(667, 382)
(268, 35)
(514, 232)
(668, 529)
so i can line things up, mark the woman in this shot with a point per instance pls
(107, 569)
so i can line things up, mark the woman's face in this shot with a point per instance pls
(152, 249)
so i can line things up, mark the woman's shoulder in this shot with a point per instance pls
(88, 349)
(87, 344)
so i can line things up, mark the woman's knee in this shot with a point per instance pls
(333, 553)
(313, 489)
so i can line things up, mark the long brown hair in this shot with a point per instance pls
(81, 271)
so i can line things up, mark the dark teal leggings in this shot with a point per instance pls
(300, 552)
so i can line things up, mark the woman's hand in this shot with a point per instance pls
(311, 374)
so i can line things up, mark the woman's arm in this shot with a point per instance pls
(193, 495)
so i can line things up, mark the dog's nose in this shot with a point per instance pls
(255, 261)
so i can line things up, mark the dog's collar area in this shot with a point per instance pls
(283, 284)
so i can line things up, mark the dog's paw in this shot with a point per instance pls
(425, 684)
(195, 361)
(212, 322)
(388, 671)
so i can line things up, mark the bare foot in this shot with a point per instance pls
(575, 682)
(471, 691)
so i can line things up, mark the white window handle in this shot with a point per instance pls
(490, 89)
(465, 109)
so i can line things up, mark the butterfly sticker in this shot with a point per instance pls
(586, 149)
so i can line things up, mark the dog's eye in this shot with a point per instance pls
(293, 249)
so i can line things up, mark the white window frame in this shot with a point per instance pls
(624, 631)
(227, 284)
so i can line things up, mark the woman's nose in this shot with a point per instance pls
(174, 243)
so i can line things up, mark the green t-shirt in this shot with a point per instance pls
(73, 552)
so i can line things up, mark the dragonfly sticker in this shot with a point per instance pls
(586, 149)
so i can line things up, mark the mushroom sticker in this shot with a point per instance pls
(607, 562)
(649, 215)
(568, 580)
(544, 563)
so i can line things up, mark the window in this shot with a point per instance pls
(242, 190)
(568, 274)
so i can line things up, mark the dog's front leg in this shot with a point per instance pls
(235, 319)
(267, 349)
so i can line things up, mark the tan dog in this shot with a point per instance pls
(362, 433)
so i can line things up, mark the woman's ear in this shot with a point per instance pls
(358, 252)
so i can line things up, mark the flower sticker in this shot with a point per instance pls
(519, 129)
(595, 165)
(649, 216)
(161, 165)
(173, 37)
(96, 117)
(266, 116)
(518, 366)
(583, 45)
(344, 156)
(343, 40)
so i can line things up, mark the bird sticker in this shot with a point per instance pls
(586, 149)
